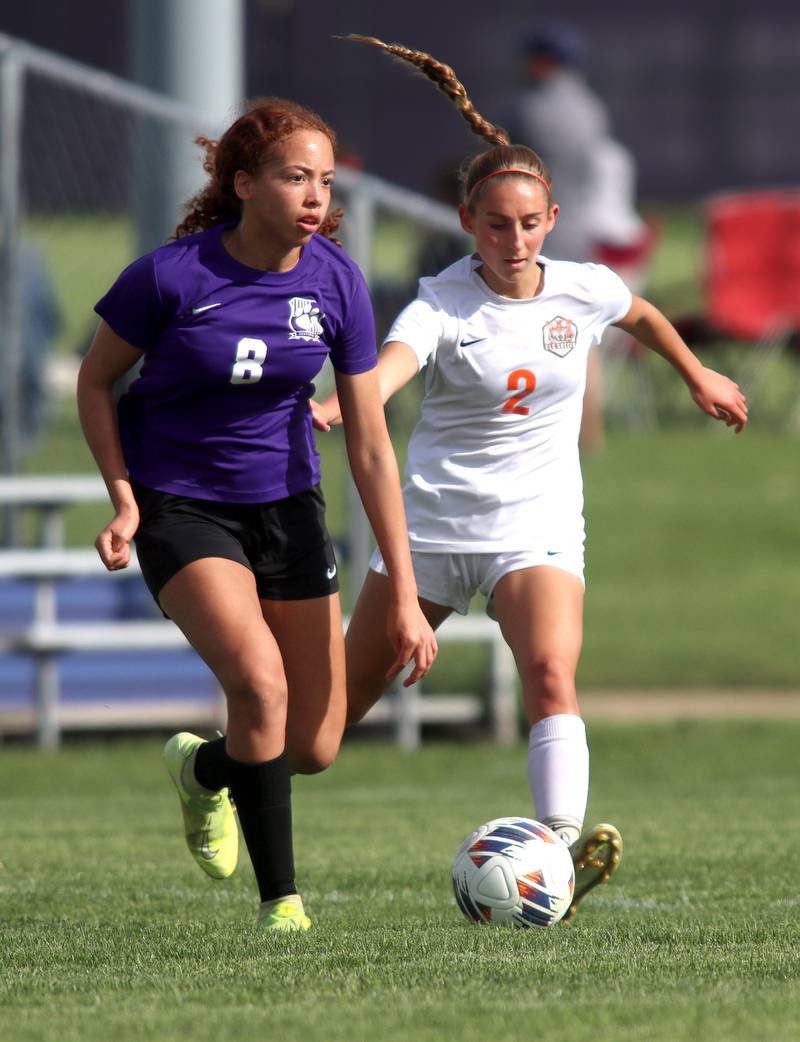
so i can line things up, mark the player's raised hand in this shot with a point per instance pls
(720, 397)
(411, 636)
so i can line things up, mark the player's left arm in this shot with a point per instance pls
(714, 393)
(377, 478)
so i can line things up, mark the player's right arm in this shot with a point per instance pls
(106, 361)
(397, 364)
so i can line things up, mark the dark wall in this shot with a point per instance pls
(705, 99)
(91, 31)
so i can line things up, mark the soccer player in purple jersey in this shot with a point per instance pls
(211, 468)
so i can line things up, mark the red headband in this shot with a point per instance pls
(509, 170)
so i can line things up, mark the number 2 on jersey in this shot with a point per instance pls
(250, 353)
(523, 382)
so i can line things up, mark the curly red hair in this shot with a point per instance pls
(244, 146)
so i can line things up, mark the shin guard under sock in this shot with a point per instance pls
(262, 794)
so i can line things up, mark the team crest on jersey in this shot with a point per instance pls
(560, 335)
(304, 319)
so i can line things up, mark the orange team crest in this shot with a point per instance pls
(560, 335)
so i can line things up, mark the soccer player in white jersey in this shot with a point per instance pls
(493, 488)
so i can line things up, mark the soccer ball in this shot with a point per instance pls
(513, 872)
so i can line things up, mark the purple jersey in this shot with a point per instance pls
(220, 410)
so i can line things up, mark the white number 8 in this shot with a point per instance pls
(250, 353)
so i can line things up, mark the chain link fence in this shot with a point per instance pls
(89, 169)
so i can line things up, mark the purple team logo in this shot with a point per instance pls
(560, 336)
(304, 319)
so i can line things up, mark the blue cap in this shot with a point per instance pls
(558, 41)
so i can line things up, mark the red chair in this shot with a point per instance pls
(753, 263)
(752, 279)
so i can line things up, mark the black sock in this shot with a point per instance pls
(263, 798)
(212, 765)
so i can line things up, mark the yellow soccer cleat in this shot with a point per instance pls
(208, 819)
(284, 913)
(595, 855)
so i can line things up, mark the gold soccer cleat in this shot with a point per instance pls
(595, 855)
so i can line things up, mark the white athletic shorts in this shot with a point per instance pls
(453, 579)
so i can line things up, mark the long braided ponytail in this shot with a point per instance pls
(446, 80)
(504, 159)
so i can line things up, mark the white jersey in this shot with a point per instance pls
(493, 462)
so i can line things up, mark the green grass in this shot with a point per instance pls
(84, 253)
(692, 572)
(693, 578)
(110, 931)
(675, 282)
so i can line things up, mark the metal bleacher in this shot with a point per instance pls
(72, 634)
(72, 639)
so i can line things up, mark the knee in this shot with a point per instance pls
(362, 694)
(551, 682)
(257, 699)
(356, 710)
(314, 758)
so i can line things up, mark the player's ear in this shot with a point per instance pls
(466, 219)
(242, 184)
(551, 217)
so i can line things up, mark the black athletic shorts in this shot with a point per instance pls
(285, 544)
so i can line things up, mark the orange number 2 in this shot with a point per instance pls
(524, 383)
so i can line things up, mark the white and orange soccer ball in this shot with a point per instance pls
(513, 872)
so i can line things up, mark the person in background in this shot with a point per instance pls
(42, 321)
(558, 114)
(493, 488)
(211, 467)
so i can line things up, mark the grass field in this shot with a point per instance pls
(83, 254)
(110, 931)
(107, 929)
(692, 572)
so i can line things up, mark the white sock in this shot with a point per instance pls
(558, 773)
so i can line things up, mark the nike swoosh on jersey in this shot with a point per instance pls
(468, 343)
(330, 572)
(205, 307)
(553, 553)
